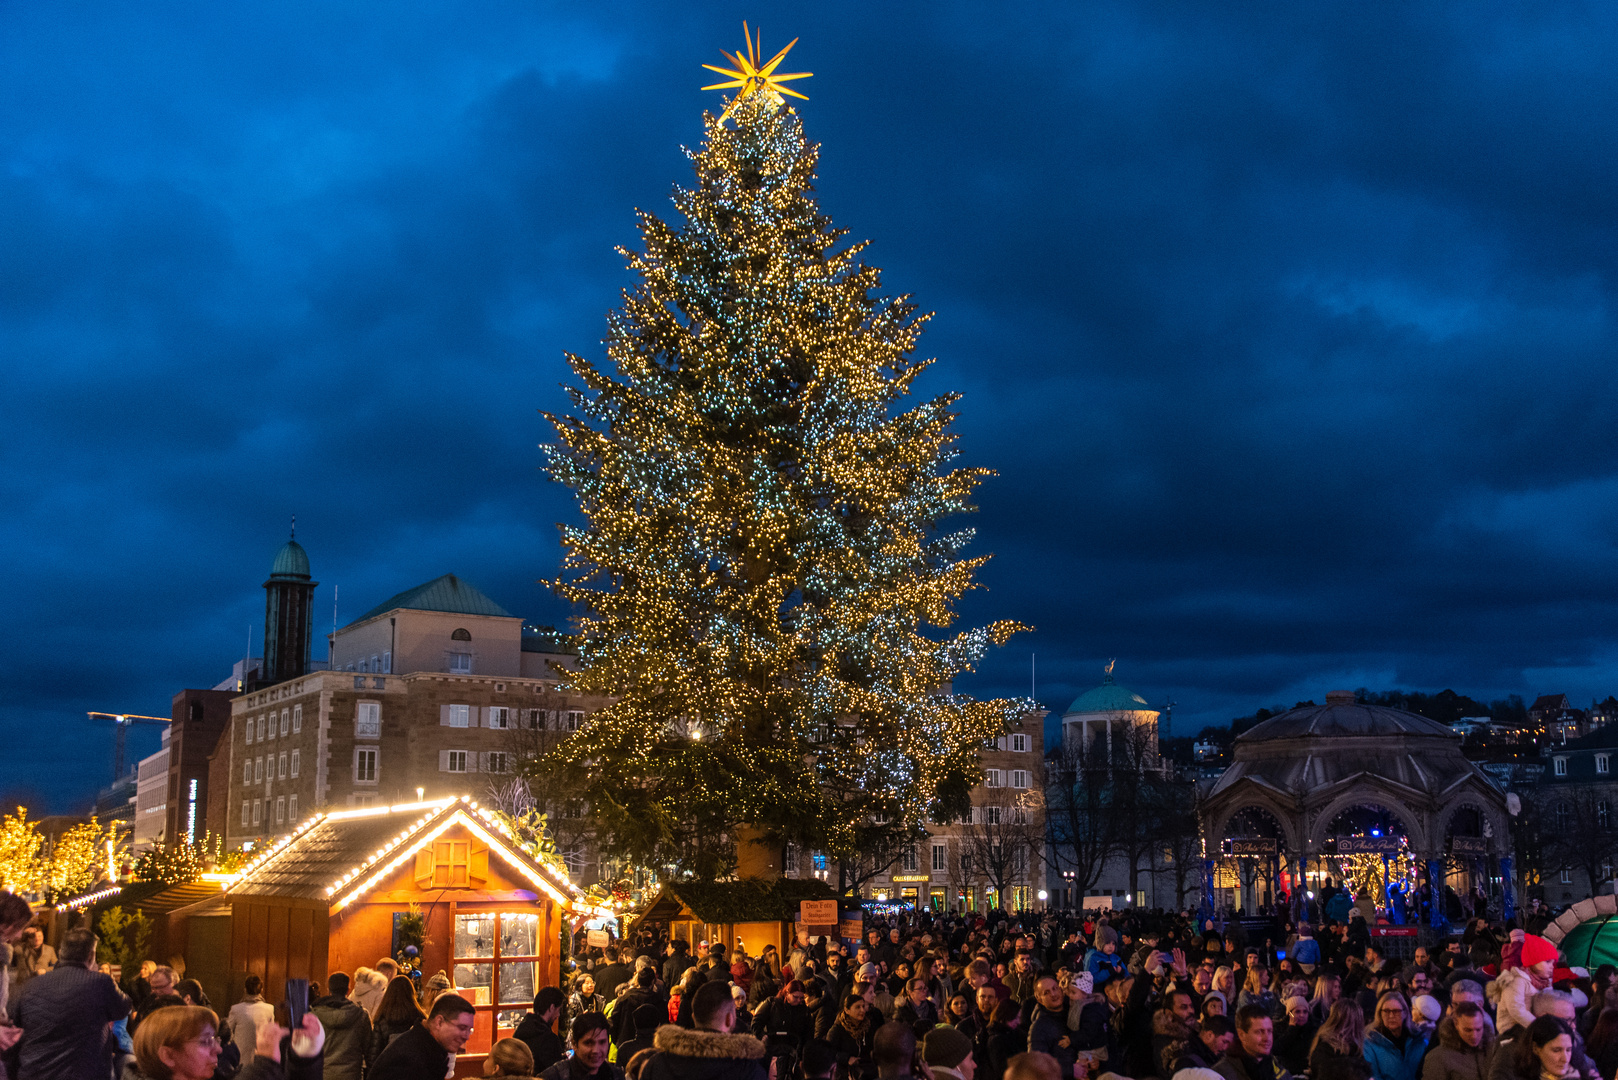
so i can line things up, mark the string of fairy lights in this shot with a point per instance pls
(762, 558)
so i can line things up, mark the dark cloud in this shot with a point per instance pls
(1288, 330)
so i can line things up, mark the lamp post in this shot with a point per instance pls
(1072, 901)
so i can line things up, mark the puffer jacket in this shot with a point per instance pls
(1452, 1059)
(1390, 1062)
(1513, 995)
(704, 1055)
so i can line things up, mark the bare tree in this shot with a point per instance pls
(1002, 840)
(1579, 824)
(1179, 835)
(532, 783)
(1076, 814)
(1135, 799)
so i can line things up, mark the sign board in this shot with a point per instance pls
(911, 878)
(1469, 845)
(818, 914)
(596, 939)
(1253, 845)
(1089, 903)
(1368, 845)
(1393, 931)
(851, 927)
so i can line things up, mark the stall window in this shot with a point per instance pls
(496, 968)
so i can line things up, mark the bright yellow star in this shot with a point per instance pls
(749, 75)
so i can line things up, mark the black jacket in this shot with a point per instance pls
(348, 1037)
(1047, 1035)
(385, 1033)
(775, 1019)
(64, 1015)
(569, 1069)
(704, 1055)
(415, 1055)
(543, 1043)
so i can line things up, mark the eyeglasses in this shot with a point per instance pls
(208, 1042)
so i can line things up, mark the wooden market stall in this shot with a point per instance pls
(342, 890)
(753, 912)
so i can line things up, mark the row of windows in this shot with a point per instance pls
(462, 761)
(910, 859)
(255, 772)
(1603, 765)
(265, 725)
(503, 718)
(1017, 778)
(381, 665)
(1017, 744)
(257, 811)
(1564, 816)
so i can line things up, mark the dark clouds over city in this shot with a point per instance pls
(1288, 329)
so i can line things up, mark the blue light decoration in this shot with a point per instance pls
(1508, 902)
(1435, 889)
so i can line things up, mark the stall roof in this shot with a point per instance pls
(339, 857)
(750, 900)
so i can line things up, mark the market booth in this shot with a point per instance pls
(753, 912)
(350, 887)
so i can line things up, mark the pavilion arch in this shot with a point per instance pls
(1412, 819)
(1499, 823)
(1291, 840)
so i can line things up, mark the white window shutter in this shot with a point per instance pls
(483, 761)
(480, 716)
(443, 756)
(443, 716)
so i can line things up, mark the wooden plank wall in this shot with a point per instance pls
(277, 940)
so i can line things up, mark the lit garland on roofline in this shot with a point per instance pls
(762, 550)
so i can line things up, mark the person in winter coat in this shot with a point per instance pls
(1104, 963)
(510, 1058)
(1256, 991)
(917, 1010)
(1513, 992)
(348, 1030)
(648, 1018)
(711, 1051)
(853, 1036)
(1047, 1030)
(1006, 1037)
(1465, 1048)
(1338, 1052)
(369, 986)
(1296, 1036)
(395, 1017)
(180, 1043)
(592, 1039)
(1393, 1047)
(1544, 1051)
(538, 1029)
(247, 1014)
(427, 1050)
(1602, 1043)
(644, 992)
(1212, 1042)
(785, 1019)
(1251, 1056)
(1174, 1026)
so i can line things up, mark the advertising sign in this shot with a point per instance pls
(818, 916)
(1253, 845)
(1368, 845)
(596, 939)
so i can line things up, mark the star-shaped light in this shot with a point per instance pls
(749, 75)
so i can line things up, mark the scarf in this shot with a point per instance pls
(856, 1032)
(1541, 982)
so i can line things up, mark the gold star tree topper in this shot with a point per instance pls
(749, 76)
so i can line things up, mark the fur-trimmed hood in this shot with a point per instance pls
(1166, 1025)
(682, 1042)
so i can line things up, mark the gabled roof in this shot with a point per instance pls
(448, 593)
(1549, 703)
(340, 857)
(749, 900)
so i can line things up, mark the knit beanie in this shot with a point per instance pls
(1086, 981)
(945, 1047)
(1427, 1008)
(1197, 1074)
(1536, 950)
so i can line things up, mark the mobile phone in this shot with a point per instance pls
(297, 1002)
(1280, 954)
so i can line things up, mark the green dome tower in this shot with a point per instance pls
(288, 614)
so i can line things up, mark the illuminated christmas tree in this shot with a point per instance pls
(762, 551)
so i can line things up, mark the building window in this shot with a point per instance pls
(789, 862)
(387, 663)
(295, 755)
(940, 857)
(271, 735)
(1567, 876)
(1019, 778)
(455, 760)
(247, 772)
(1564, 818)
(460, 663)
(247, 810)
(909, 861)
(497, 762)
(258, 806)
(572, 721)
(991, 815)
(1604, 814)
(461, 635)
(991, 777)
(500, 717)
(359, 682)
(286, 720)
(258, 770)
(1019, 744)
(365, 765)
(368, 720)
(281, 773)
(249, 731)
(292, 808)
(1559, 766)
(376, 663)
(281, 810)
(297, 718)
(1603, 763)
(459, 715)
(261, 729)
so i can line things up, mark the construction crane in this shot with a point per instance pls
(122, 723)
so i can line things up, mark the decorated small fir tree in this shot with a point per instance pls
(761, 553)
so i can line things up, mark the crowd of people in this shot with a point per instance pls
(1050, 996)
